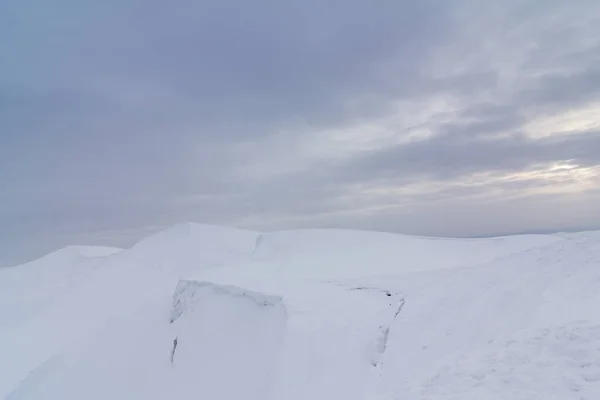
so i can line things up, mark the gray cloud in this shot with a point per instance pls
(447, 156)
(117, 118)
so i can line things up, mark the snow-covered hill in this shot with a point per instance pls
(209, 312)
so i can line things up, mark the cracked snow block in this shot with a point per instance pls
(228, 339)
(189, 292)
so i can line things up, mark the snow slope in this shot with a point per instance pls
(30, 295)
(191, 247)
(34, 286)
(219, 313)
(357, 253)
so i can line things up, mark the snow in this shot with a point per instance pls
(63, 261)
(354, 253)
(558, 362)
(227, 341)
(187, 246)
(220, 313)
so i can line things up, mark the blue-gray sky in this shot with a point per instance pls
(445, 118)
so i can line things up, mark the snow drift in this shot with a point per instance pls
(201, 311)
(227, 340)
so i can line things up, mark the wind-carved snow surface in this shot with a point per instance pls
(333, 337)
(189, 294)
(228, 340)
(558, 362)
(208, 312)
(283, 346)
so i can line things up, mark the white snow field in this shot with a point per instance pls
(204, 312)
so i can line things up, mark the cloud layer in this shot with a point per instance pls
(429, 117)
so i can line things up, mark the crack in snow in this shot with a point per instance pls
(384, 333)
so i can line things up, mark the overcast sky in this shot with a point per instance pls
(444, 118)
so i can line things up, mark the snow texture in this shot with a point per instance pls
(209, 312)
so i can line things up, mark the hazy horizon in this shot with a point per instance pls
(456, 119)
(32, 256)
